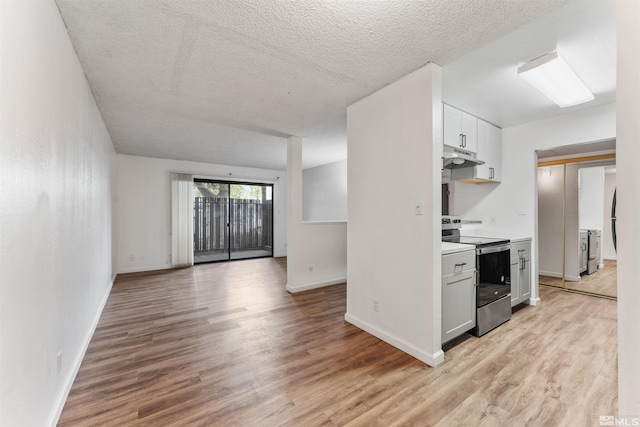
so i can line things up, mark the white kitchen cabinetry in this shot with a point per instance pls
(458, 294)
(490, 151)
(584, 250)
(460, 129)
(520, 271)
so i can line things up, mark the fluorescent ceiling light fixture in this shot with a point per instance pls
(556, 80)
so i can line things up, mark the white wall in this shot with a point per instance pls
(517, 192)
(324, 192)
(628, 210)
(551, 220)
(608, 250)
(143, 207)
(591, 198)
(317, 251)
(56, 161)
(591, 202)
(394, 255)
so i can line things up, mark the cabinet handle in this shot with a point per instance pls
(458, 268)
(464, 140)
(461, 140)
(522, 264)
(491, 176)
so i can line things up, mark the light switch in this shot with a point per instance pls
(418, 207)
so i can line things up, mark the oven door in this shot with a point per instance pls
(494, 273)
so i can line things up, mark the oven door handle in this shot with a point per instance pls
(493, 249)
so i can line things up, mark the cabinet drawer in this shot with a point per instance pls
(521, 249)
(458, 262)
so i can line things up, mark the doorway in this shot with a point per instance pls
(575, 237)
(232, 220)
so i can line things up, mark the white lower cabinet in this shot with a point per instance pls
(458, 294)
(520, 272)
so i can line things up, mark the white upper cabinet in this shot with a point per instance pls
(460, 129)
(487, 140)
(489, 150)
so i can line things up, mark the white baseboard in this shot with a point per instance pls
(429, 359)
(141, 269)
(75, 366)
(534, 301)
(550, 274)
(572, 278)
(314, 285)
(601, 265)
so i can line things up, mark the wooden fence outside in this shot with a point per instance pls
(250, 224)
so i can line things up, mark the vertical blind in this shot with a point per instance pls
(181, 220)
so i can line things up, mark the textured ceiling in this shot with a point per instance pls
(485, 82)
(227, 81)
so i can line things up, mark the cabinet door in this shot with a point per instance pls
(494, 152)
(452, 119)
(515, 279)
(525, 279)
(583, 252)
(483, 171)
(490, 151)
(469, 128)
(458, 304)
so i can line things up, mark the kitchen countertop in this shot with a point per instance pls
(451, 248)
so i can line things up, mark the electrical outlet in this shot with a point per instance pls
(59, 363)
(376, 306)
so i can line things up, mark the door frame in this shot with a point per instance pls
(228, 225)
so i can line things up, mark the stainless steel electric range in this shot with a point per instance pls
(493, 277)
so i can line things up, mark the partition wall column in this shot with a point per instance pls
(628, 208)
(294, 205)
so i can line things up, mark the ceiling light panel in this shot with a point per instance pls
(552, 76)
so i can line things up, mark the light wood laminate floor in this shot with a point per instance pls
(603, 281)
(225, 345)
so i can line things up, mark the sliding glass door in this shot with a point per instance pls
(250, 220)
(232, 220)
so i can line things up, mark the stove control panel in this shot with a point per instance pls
(451, 222)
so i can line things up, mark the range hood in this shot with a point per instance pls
(455, 158)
